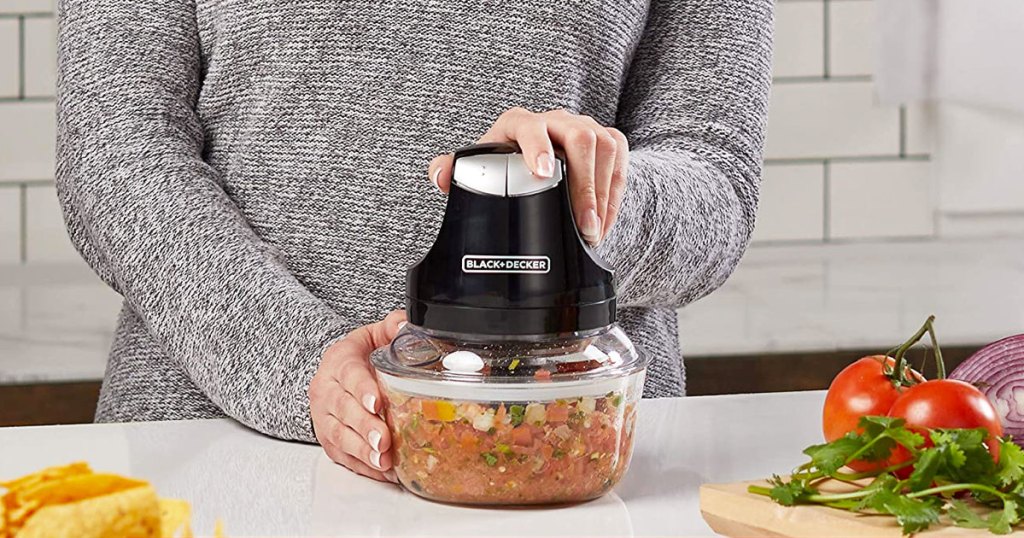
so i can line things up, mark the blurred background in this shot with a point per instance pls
(893, 189)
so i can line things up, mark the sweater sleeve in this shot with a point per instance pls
(150, 216)
(693, 109)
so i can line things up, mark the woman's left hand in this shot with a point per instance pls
(598, 158)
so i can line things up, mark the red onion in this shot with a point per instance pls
(998, 370)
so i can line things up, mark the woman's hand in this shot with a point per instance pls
(345, 401)
(598, 159)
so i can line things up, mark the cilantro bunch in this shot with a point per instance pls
(950, 476)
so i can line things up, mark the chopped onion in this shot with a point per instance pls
(998, 370)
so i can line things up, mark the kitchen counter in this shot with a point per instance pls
(264, 487)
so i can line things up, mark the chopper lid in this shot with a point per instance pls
(508, 259)
(428, 363)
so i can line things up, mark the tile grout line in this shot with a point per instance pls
(27, 15)
(29, 99)
(21, 57)
(826, 65)
(903, 131)
(774, 161)
(801, 79)
(23, 223)
(826, 189)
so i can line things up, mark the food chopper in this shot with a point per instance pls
(511, 382)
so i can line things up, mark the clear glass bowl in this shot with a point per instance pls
(497, 421)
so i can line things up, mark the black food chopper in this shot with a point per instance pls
(511, 383)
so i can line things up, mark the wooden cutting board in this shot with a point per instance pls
(731, 511)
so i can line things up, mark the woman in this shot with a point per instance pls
(248, 175)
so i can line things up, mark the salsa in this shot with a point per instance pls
(511, 453)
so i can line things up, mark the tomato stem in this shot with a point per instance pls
(899, 374)
(940, 364)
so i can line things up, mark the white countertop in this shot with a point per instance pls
(264, 487)
(56, 321)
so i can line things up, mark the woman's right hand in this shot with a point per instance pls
(345, 401)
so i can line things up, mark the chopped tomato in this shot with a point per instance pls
(522, 436)
(467, 441)
(542, 375)
(558, 413)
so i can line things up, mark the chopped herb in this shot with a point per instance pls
(516, 413)
(489, 458)
(503, 448)
(617, 400)
(558, 454)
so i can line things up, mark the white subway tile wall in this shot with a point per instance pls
(919, 132)
(829, 119)
(829, 136)
(21, 7)
(793, 203)
(880, 200)
(851, 31)
(27, 131)
(798, 38)
(9, 62)
(41, 53)
(10, 224)
(47, 238)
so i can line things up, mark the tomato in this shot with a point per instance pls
(861, 389)
(522, 436)
(558, 413)
(946, 403)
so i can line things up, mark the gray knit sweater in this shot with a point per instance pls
(250, 176)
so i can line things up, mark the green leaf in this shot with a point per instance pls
(909, 439)
(790, 493)
(967, 458)
(962, 515)
(874, 425)
(489, 458)
(914, 515)
(883, 434)
(925, 468)
(829, 457)
(881, 482)
(1011, 463)
(1002, 522)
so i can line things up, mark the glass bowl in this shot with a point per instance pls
(483, 420)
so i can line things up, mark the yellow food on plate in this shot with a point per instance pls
(71, 501)
(132, 513)
(175, 518)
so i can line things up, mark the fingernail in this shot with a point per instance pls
(390, 475)
(402, 324)
(375, 459)
(369, 401)
(375, 440)
(545, 165)
(591, 226)
(434, 177)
